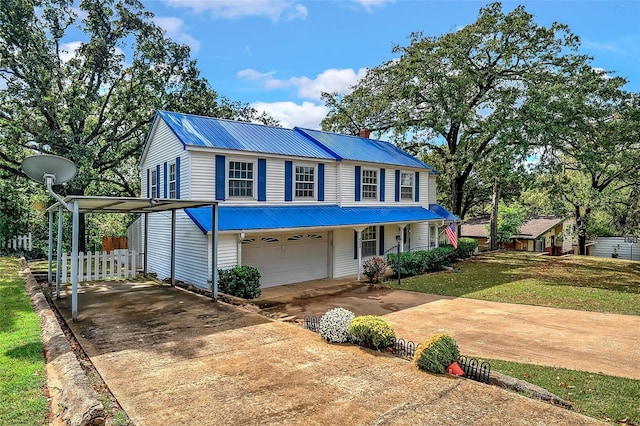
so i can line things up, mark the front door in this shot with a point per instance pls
(407, 238)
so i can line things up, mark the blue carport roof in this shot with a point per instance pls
(247, 218)
(441, 211)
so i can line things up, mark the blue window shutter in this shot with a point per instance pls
(178, 178)
(148, 183)
(288, 180)
(381, 240)
(262, 179)
(220, 177)
(355, 244)
(358, 183)
(165, 179)
(157, 181)
(382, 184)
(320, 182)
(417, 190)
(397, 186)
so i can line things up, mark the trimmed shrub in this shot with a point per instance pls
(466, 247)
(440, 256)
(371, 331)
(240, 281)
(334, 325)
(411, 263)
(437, 353)
(374, 269)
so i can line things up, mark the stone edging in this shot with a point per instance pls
(73, 400)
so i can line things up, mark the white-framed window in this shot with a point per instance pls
(154, 183)
(369, 241)
(406, 186)
(370, 184)
(172, 180)
(305, 182)
(240, 179)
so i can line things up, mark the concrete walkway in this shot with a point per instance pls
(176, 358)
(578, 340)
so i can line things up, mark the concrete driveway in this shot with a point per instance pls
(578, 340)
(176, 358)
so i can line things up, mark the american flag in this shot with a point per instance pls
(451, 235)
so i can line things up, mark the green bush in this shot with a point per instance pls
(240, 281)
(439, 257)
(466, 247)
(437, 353)
(371, 331)
(374, 269)
(411, 263)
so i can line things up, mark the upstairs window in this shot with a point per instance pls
(369, 242)
(406, 186)
(240, 179)
(370, 184)
(154, 183)
(305, 182)
(172, 180)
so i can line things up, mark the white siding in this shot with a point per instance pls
(420, 235)
(433, 193)
(345, 265)
(604, 246)
(202, 174)
(191, 249)
(331, 183)
(165, 147)
(424, 189)
(227, 251)
(275, 180)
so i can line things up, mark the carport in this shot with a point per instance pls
(86, 204)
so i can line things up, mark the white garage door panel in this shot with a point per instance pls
(287, 261)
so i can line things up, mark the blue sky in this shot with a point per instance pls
(279, 55)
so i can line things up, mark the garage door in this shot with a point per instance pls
(287, 258)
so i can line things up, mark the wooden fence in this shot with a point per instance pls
(119, 264)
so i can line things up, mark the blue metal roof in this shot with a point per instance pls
(247, 218)
(441, 211)
(356, 148)
(195, 130)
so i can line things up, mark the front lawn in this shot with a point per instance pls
(22, 375)
(574, 282)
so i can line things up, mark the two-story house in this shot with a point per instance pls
(297, 204)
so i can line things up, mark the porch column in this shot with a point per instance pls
(359, 245)
(50, 253)
(401, 227)
(74, 262)
(429, 237)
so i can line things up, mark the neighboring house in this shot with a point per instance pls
(549, 234)
(297, 204)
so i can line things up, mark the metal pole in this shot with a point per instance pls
(59, 253)
(398, 262)
(74, 263)
(50, 254)
(214, 252)
(146, 240)
(173, 247)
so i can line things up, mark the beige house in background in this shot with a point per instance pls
(550, 234)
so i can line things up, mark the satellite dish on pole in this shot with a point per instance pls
(50, 170)
(45, 167)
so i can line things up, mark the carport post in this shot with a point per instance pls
(59, 253)
(173, 247)
(74, 262)
(214, 252)
(146, 240)
(50, 254)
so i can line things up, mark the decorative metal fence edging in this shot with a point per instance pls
(473, 368)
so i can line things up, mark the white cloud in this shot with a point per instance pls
(602, 46)
(68, 50)
(275, 10)
(369, 5)
(331, 80)
(173, 28)
(291, 114)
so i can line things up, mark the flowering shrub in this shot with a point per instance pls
(437, 353)
(374, 269)
(372, 331)
(334, 325)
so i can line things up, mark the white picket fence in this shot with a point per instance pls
(119, 264)
(21, 242)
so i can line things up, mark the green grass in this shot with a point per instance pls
(575, 282)
(608, 398)
(22, 375)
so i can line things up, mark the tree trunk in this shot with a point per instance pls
(493, 227)
(456, 195)
(581, 224)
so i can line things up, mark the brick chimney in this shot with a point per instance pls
(364, 133)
